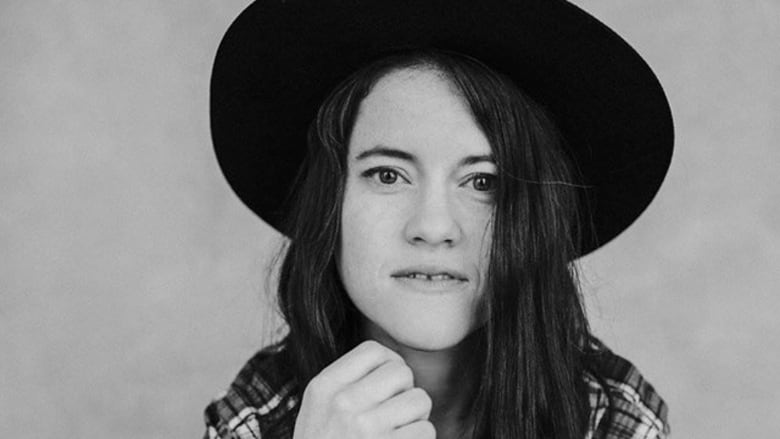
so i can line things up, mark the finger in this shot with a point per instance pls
(416, 430)
(389, 379)
(405, 408)
(355, 364)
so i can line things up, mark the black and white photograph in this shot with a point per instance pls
(390, 219)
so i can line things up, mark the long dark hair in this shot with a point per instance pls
(530, 384)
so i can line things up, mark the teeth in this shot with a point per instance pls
(437, 277)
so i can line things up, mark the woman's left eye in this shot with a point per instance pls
(483, 182)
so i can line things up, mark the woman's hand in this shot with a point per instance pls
(368, 393)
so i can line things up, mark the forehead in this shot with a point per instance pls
(417, 109)
(415, 85)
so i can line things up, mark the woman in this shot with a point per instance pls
(453, 174)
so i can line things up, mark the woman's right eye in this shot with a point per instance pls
(385, 176)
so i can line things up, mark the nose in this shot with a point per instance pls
(433, 221)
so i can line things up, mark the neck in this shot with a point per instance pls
(447, 375)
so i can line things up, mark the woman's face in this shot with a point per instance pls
(416, 218)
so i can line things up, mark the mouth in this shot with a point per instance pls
(433, 274)
(435, 277)
(431, 280)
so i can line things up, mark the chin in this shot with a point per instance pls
(419, 329)
(426, 338)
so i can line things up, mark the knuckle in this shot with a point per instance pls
(316, 387)
(370, 345)
(419, 430)
(379, 349)
(406, 373)
(426, 430)
(363, 424)
(342, 402)
(393, 354)
(400, 369)
(421, 397)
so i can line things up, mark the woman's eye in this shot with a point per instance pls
(484, 182)
(388, 176)
(385, 176)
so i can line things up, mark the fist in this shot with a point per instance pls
(368, 393)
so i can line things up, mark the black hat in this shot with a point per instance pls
(280, 59)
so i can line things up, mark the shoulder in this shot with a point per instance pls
(624, 405)
(261, 399)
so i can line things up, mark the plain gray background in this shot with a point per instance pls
(131, 277)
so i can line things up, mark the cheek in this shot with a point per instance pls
(359, 229)
(482, 243)
(480, 231)
(365, 242)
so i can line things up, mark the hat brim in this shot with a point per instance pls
(279, 60)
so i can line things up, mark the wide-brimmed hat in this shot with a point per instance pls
(280, 59)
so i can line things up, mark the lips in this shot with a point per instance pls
(430, 273)
(437, 277)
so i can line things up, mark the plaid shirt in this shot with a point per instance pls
(263, 401)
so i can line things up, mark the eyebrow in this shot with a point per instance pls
(385, 151)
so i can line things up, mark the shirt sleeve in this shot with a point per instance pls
(226, 419)
(212, 433)
(624, 404)
(217, 427)
(253, 402)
